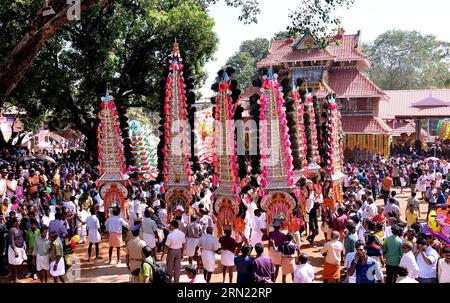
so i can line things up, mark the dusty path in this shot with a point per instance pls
(98, 271)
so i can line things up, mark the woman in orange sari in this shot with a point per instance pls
(33, 182)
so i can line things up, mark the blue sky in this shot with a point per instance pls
(372, 17)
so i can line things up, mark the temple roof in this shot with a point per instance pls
(283, 51)
(398, 128)
(351, 83)
(430, 102)
(416, 104)
(365, 125)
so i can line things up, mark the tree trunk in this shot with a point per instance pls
(42, 28)
(91, 154)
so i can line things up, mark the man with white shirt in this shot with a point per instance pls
(360, 192)
(3, 183)
(150, 231)
(114, 226)
(348, 262)
(403, 276)
(443, 267)
(157, 202)
(100, 210)
(391, 222)
(304, 272)
(258, 226)
(369, 209)
(408, 260)
(427, 259)
(361, 229)
(175, 244)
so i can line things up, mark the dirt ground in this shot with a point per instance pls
(98, 271)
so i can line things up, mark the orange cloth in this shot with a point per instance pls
(331, 271)
(328, 202)
(115, 240)
(386, 183)
(239, 225)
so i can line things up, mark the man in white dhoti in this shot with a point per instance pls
(210, 247)
(228, 248)
(150, 230)
(57, 269)
(194, 231)
(41, 253)
(258, 228)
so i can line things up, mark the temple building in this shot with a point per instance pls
(337, 70)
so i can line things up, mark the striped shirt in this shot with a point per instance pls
(427, 271)
(443, 271)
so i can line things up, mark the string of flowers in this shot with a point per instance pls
(300, 112)
(312, 131)
(285, 135)
(272, 87)
(108, 116)
(263, 137)
(175, 94)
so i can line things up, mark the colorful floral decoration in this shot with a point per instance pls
(438, 224)
(111, 155)
(110, 142)
(176, 168)
(225, 160)
(299, 114)
(443, 129)
(144, 156)
(275, 144)
(311, 131)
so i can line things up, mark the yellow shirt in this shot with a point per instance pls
(411, 217)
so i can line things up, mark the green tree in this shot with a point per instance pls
(408, 60)
(24, 29)
(119, 48)
(317, 18)
(244, 61)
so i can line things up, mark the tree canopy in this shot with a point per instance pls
(408, 60)
(119, 48)
(24, 35)
(244, 61)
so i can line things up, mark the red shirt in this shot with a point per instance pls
(379, 218)
(340, 223)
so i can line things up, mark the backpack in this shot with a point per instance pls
(160, 275)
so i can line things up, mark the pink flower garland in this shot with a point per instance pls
(175, 70)
(109, 105)
(313, 129)
(274, 85)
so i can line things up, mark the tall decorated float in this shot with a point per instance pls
(144, 156)
(176, 148)
(111, 158)
(226, 177)
(277, 178)
(331, 152)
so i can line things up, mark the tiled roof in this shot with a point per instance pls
(245, 96)
(350, 83)
(365, 125)
(323, 91)
(402, 127)
(282, 51)
(430, 102)
(401, 101)
(348, 50)
(245, 102)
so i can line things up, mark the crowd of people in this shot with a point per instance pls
(47, 209)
